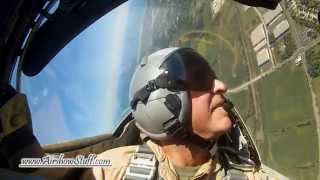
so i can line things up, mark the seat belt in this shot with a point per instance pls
(143, 165)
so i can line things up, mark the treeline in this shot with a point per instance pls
(311, 3)
(313, 61)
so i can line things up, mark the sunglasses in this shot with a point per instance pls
(186, 69)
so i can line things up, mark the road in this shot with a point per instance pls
(292, 58)
(258, 129)
(299, 52)
(313, 95)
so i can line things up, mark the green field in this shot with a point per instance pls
(223, 41)
(316, 90)
(288, 122)
(262, 10)
(313, 58)
(313, 61)
(278, 108)
(249, 21)
(244, 103)
(284, 47)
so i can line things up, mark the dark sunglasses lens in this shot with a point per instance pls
(200, 83)
(189, 69)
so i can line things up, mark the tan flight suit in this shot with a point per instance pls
(120, 158)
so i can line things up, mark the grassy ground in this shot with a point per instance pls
(313, 61)
(249, 21)
(312, 55)
(262, 10)
(223, 41)
(244, 103)
(316, 89)
(284, 126)
(289, 126)
(284, 47)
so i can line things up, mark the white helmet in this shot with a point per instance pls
(159, 90)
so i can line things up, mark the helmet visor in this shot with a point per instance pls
(188, 69)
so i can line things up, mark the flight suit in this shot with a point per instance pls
(120, 158)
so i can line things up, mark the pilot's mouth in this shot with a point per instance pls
(221, 104)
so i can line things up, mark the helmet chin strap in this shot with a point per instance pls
(228, 106)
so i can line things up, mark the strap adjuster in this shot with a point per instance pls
(143, 166)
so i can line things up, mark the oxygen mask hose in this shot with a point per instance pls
(228, 106)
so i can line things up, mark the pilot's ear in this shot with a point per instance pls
(269, 4)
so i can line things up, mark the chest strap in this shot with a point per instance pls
(234, 174)
(143, 165)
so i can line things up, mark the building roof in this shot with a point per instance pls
(272, 14)
(263, 57)
(257, 35)
(282, 27)
(260, 45)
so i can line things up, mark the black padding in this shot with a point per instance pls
(6, 93)
(141, 95)
(173, 103)
(144, 93)
(164, 81)
(174, 127)
(71, 18)
(269, 4)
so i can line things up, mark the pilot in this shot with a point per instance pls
(179, 106)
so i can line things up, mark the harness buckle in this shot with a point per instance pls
(143, 166)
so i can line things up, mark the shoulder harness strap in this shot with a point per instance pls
(235, 174)
(143, 165)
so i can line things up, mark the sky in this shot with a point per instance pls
(84, 89)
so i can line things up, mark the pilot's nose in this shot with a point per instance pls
(219, 87)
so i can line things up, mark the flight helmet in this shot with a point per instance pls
(159, 91)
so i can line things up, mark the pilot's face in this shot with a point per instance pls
(209, 119)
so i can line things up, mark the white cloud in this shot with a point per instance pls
(35, 100)
(45, 92)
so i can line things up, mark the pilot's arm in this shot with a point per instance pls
(18, 141)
